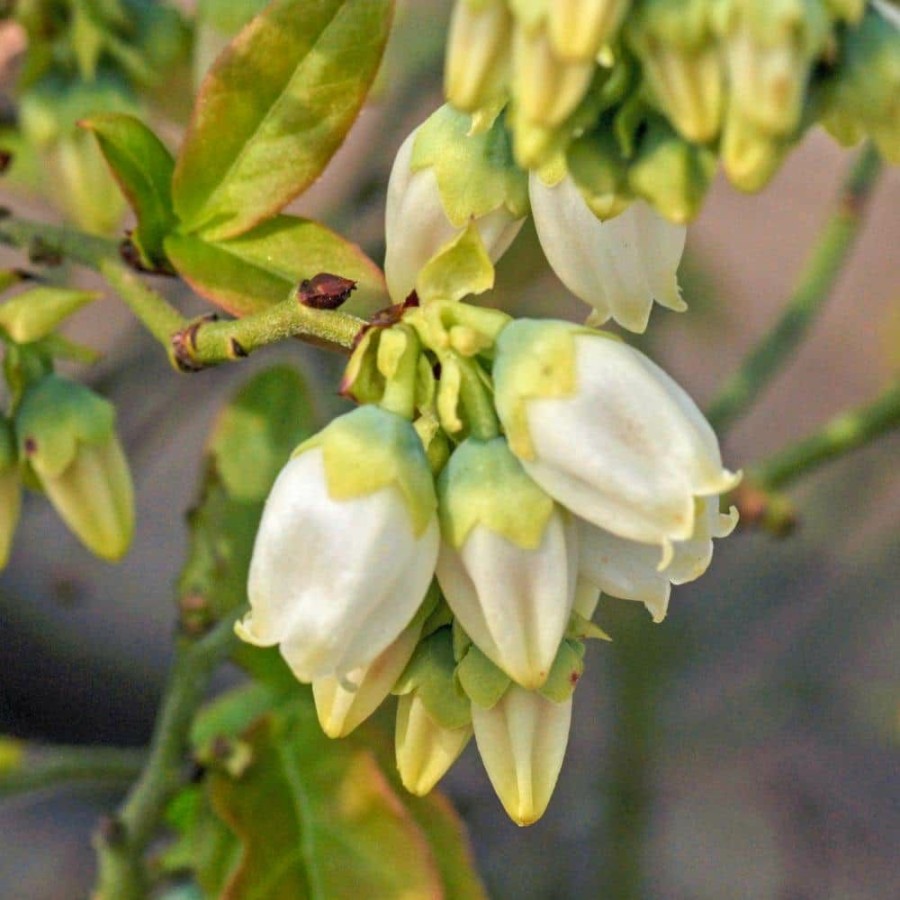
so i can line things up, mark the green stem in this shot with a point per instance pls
(477, 402)
(121, 841)
(842, 434)
(207, 342)
(53, 766)
(192, 345)
(813, 289)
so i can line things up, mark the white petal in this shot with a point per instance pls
(522, 741)
(334, 582)
(514, 603)
(629, 450)
(619, 266)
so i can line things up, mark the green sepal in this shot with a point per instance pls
(475, 173)
(600, 170)
(55, 418)
(35, 313)
(482, 682)
(446, 325)
(671, 173)
(369, 449)
(143, 168)
(565, 672)
(24, 365)
(362, 381)
(535, 359)
(430, 674)
(484, 484)
(460, 268)
(461, 640)
(580, 628)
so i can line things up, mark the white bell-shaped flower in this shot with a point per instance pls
(620, 266)
(631, 571)
(344, 703)
(346, 547)
(522, 741)
(605, 431)
(508, 559)
(421, 220)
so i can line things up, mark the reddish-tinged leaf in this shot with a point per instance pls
(273, 109)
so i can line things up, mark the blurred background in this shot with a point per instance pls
(745, 748)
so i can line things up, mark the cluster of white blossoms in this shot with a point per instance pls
(645, 97)
(449, 539)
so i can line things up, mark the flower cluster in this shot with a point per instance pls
(449, 539)
(643, 96)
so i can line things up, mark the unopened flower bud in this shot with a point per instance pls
(631, 571)
(443, 179)
(579, 28)
(546, 88)
(508, 559)
(868, 81)
(478, 54)
(67, 435)
(10, 489)
(522, 741)
(749, 156)
(344, 703)
(425, 749)
(676, 43)
(770, 48)
(346, 547)
(605, 431)
(620, 266)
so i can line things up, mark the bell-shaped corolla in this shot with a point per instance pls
(620, 266)
(508, 559)
(605, 431)
(346, 548)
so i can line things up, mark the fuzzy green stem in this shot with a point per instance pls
(841, 435)
(121, 841)
(207, 342)
(813, 289)
(46, 766)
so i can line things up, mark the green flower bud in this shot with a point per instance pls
(671, 173)
(749, 156)
(579, 28)
(67, 434)
(676, 43)
(546, 89)
(478, 54)
(770, 49)
(10, 489)
(867, 90)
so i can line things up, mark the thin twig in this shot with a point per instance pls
(813, 289)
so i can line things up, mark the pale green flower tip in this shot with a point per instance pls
(484, 484)
(371, 448)
(425, 750)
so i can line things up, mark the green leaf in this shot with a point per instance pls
(246, 274)
(273, 109)
(143, 168)
(252, 439)
(319, 819)
(36, 313)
